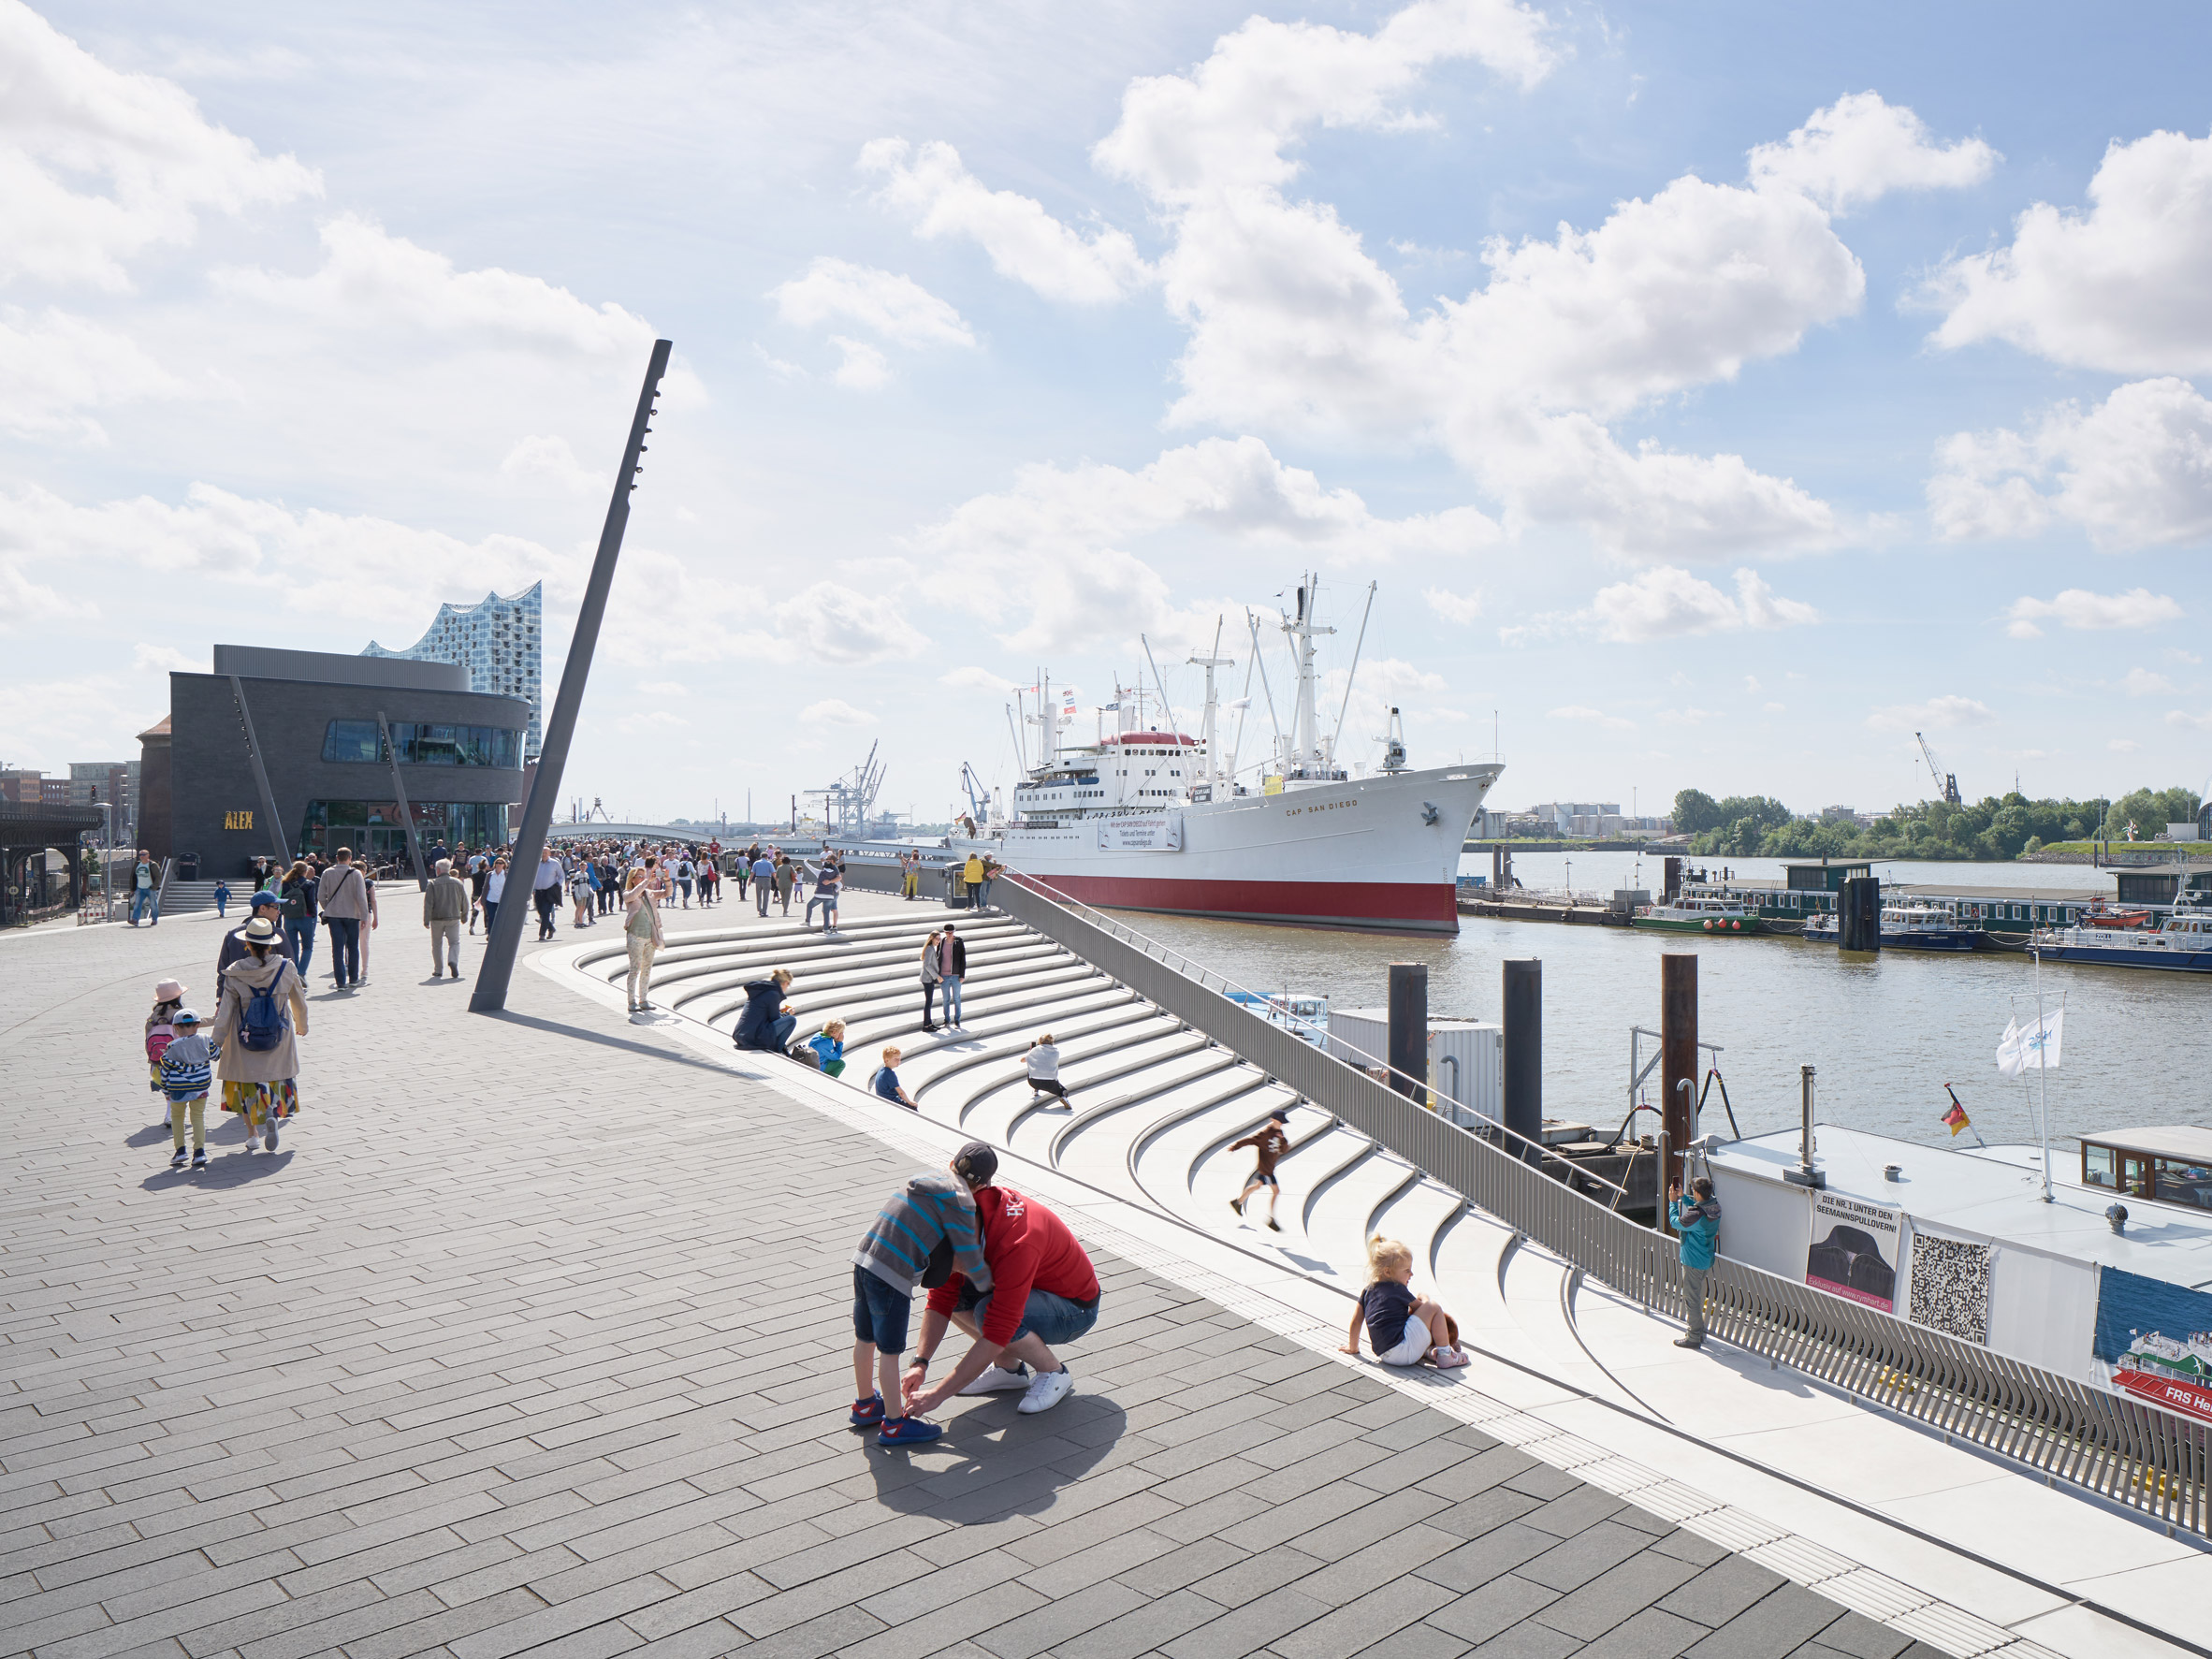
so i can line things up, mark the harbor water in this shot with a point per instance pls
(1885, 1032)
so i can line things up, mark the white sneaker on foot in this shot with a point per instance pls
(1048, 1390)
(997, 1380)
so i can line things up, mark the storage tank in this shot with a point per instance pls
(1467, 1060)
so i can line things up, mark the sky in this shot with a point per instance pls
(1715, 396)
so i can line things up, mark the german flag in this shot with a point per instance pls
(1957, 1118)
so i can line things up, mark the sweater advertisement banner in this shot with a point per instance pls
(1856, 1251)
(1150, 832)
(2154, 1340)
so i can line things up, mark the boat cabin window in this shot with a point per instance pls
(2182, 1182)
(2115, 1171)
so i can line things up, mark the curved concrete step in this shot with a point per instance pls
(1092, 1071)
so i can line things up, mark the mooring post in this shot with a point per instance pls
(1408, 1047)
(1522, 1001)
(1678, 1059)
(498, 966)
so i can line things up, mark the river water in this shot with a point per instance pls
(1885, 1032)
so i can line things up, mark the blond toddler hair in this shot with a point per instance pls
(1385, 1256)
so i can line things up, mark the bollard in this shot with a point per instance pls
(1523, 1005)
(1408, 1047)
(1678, 1059)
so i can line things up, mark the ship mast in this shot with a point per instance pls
(1306, 760)
(1209, 732)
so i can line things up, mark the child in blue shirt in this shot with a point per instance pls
(829, 1047)
(222, 898)
(887, 1081)
(187, 1073)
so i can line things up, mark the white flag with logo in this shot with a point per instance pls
(2031, 1047)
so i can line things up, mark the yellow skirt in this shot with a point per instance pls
(257, 1102)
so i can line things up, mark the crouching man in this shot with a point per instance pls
(1043, 1293)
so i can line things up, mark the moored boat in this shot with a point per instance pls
(1699, 913)
(2182, 945)
(1918, 924)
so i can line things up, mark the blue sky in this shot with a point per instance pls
(1718, 396)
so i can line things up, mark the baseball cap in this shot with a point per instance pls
(976, 1163)
(1280, 1114)
(183, 1016)
(263, 897)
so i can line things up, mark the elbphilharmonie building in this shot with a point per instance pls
(498, 641)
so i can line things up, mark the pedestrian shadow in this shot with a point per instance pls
(651, 1051)
(1008, 1463)
(148, 1136)
(221, 1173)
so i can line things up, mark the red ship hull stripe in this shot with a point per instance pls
(1429, 907)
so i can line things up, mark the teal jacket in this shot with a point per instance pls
(1700, 1224)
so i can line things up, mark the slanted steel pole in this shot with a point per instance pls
(383, 729)
(498, 966)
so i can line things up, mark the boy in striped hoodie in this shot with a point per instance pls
(925, 1234)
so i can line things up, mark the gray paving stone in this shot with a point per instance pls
(1078, 1610)
(1722, 1590)
(1492, 1554)
(1860, 1638)
(1497, 1606)
(1787, 1618)
(1617, 1595)
(1249, 1628)
(1575, 1561)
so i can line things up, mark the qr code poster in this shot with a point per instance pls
(1856, 1250)
(1950, 1286)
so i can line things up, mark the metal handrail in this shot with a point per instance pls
(1221, 985)
(2119, 1448)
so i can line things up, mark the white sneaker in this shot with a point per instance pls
(1048, 1390)
(996, 1380)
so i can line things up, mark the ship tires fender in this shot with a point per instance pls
(1709, 927)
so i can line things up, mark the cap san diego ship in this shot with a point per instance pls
(1153, 817)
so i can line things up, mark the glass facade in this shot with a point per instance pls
(496, 641)
(373, 827)
(423, 745)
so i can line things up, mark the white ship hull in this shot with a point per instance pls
(1358, 853)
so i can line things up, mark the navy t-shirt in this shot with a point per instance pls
(887, 1085)
(1388, 1305)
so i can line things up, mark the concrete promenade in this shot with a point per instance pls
(533, 1339)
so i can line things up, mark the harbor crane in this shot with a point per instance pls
(977, 793)
(848, 805)
(1935, 770)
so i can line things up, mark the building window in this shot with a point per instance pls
(374, 828)
(421, 744)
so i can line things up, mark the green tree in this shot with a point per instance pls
(1695, 811)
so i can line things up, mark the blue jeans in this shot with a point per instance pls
(879, 1312)
(983, 893)
(771, 1037)
(302, 934)
(951, 988)
(1051, 1320)
(142, 901)
(222, 905)
(346, 948)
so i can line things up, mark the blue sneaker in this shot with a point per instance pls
(868, 1412)
(908, 1431)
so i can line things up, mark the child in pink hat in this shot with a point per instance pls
(168, 997)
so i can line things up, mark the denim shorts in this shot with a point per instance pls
(1051, 1320)
(879, 1312)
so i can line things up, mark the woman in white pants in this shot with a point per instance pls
(642, 933)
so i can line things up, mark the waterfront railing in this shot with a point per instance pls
(2125, 1450)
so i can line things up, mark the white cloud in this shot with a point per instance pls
(1576, 711)
(1454, 608)
(2141, 682)
(1859, 148)
(153, 659)
(2133, 471)
(652, 722)
(1668, 602)
(2190, 722)
(551, 458)
(1685, 717)
(98, 166)
(308, 563)
(369, 278)
(931, 187)
(663, 688)
(2120, 288)
(2078, 608)
(1774, 708)
(54, 366)
(976, 680)
(862, 367)
(2123, 745)
(1294, 326)
(895, 306)
(835, 711)
(1940, 714)
(1234, 486)
(830, 622)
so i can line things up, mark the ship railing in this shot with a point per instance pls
(2122, 1449)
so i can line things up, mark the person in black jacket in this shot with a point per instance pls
(952, 960)
(767, 1021)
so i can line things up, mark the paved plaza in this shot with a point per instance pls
(534, 1338)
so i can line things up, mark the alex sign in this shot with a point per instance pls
(238, 821)
(1144, 832)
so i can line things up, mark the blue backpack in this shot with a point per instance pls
(264, 1024)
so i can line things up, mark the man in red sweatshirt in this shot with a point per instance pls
(1043, 1291)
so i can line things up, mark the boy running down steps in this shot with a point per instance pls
(1268, 1145)
(923, 1235)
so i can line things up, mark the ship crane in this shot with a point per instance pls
(1935, 770)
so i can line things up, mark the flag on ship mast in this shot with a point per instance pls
(2034, 1046)
(1958, 1119)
